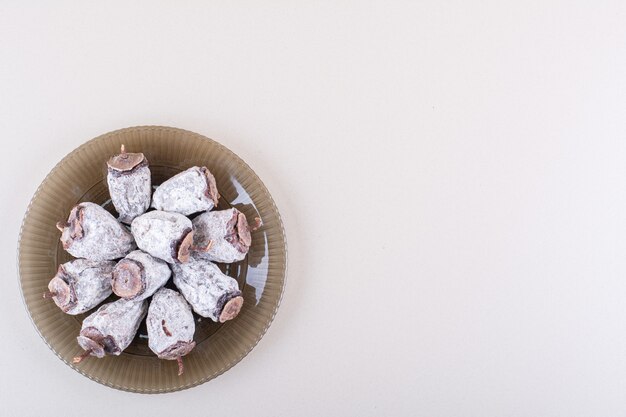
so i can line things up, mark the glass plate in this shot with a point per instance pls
(81, 176)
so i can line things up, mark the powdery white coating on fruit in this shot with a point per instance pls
(156, 272)
(157, 232)
(91, 281)
(202, 283)
(130, 192)
(184, 193)
(104, 238)
(119, 319)
(211, 226)
(170, 310)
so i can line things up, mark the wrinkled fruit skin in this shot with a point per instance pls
(112, 327)
(189, 192)
(229, 233)
(205, 287)
(162, 235)
(139, 275)
(130, 185)
(81, 285)
(93, 233)
(170, 325)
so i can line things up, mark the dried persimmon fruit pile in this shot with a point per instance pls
(135, 255)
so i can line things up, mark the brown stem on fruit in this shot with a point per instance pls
(256, 225)
(61, 226)
(79, 359)
(49, 294)
(181, 367)
(204, 248)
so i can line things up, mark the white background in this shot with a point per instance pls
(450, 174)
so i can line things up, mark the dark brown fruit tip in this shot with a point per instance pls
(177, 350)
(211, 192)
(231, 309)
(60, 292)
(184, 248)
(75, 225)
(243, 230)
(127, 279)
(92, 340)
(125, 161)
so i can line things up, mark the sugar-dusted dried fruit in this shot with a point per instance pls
(92, 233)
(111, 328)
(191, 191)
(170, 326)
(210, 292)
(164, 235)
(139, 275)
(229, 234)
(80, 285)
(129, 183)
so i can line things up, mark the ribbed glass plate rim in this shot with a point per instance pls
(247, 349)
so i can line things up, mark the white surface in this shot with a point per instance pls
(451, 176)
